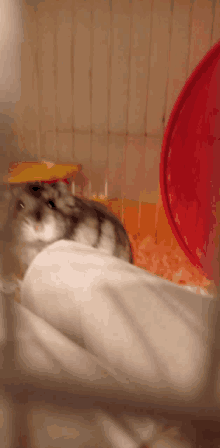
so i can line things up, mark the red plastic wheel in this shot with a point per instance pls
(190, 165)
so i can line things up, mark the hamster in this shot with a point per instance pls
(41, 214)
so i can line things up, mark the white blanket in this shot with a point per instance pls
(97, 328)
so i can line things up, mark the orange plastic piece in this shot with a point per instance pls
(40, 171)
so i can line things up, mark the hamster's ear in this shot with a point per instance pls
(61, 187)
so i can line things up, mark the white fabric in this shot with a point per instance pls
(97, 326)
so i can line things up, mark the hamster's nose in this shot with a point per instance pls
(38, 215)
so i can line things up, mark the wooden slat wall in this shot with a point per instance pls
(99, 80)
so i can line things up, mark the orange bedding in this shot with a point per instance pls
(167, 262)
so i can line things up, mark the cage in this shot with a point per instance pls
(81, 106)
(92, 84)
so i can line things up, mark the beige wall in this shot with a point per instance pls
(99, 79)
(11, 36)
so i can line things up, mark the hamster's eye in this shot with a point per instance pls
(35, 188)
(20, 205)
(51, 204)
